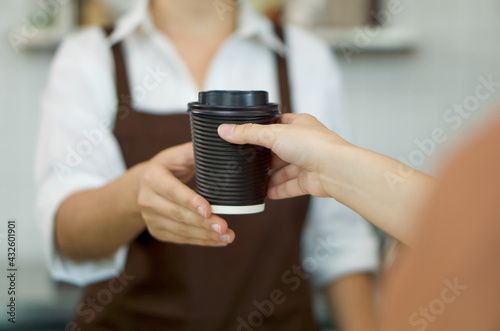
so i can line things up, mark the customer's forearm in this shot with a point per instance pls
(95, 223)
(381, 189)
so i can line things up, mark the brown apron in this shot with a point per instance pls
(253, 284)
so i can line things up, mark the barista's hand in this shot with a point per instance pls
(302, 142)
(171, 210)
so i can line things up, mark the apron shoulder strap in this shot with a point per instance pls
(121, 78)
(282, 67)
(123, 87)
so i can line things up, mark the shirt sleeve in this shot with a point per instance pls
(76, 149)
(336, 241)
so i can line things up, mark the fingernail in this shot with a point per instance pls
(216, 228)
(225, 237)
(226, 130)
(202, 212)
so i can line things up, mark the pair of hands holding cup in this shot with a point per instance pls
(175, 213)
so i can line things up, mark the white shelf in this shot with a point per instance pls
(56, 24)
(370, 39)
(47, 39)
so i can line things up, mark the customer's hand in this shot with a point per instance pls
(171, 210)
(322, 164)
(302, 142)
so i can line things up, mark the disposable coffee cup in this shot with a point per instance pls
(233, 178)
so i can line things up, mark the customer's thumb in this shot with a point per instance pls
(255, 134)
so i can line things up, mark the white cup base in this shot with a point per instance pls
(238, 210)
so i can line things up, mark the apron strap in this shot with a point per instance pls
(282, 66)
(123, 86)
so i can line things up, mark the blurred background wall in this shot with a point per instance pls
(394, 96)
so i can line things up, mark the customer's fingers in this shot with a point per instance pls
(284, 175)
(289, 189)
(256, 134)
(263, 135)
(277, 162)
(288, 118)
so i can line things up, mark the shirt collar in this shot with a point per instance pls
(250, 25)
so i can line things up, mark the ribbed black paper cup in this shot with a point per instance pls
(233, 178)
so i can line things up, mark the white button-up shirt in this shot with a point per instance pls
(77, 150)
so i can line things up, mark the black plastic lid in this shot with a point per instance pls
(233, 98)
(244, 104)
